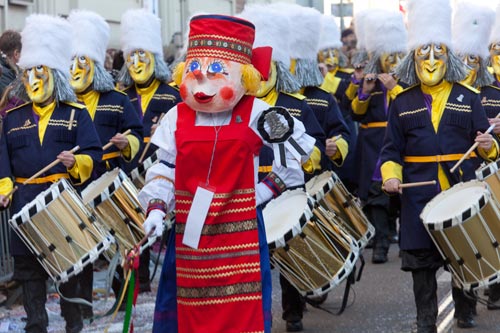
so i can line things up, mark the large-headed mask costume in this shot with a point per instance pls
(471, 30)
(494, 46)
(329, 46)
(218, 69)
(90, 40)
(45, 65)
(386, 40)
(142, 48)
(430, 60)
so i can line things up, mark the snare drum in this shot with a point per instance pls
(113, 199)
(490, 174)
(310, 251)
(61, 232)
(330, 193)
(464, 223)
(138, 175)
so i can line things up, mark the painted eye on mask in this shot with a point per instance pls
(39, 69)
(194, 65)
(82, 60)
(216, 68)
(141, 53)
(424, 50)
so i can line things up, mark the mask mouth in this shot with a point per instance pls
(203, 98)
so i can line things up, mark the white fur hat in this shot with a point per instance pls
(495, 32)
(330, 34)
(304, 33)
(360, 19)
(141, 30)
(471, 29)
(90, 35)
(270, 28)
(45, 42)
(385, 32)
(429, 21)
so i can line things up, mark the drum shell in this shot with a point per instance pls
(469, 241)
(60, 231)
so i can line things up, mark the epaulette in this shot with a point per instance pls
(119, 91)
(174, 85)
(323, 89)
(494, 86)
(296, 95)
(346, 70)
(17, 107)
(408, 88)
(469, 87)
(76, 105)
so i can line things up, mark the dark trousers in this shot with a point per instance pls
(86, 285)
(377, 208)
(292, 302)
(33, 279)
(425, 293)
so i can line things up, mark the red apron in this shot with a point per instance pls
(219, 288)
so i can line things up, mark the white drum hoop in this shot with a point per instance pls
(488, 170)
(138, 174)
(38, 205)
(318, 186)
(274, 210)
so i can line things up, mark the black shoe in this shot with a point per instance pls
(294, 326)
(379, 257)
(493, 305)
(144, 287)
(466, 322)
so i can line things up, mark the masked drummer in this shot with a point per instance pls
(147, 77)
(111, 110)
(491, 102)
(34, 135)
(415, 150)
(386, 40)
(209, 148)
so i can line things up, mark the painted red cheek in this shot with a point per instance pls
(183, 91)
(226, 93)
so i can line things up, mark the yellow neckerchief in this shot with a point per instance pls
(90, 99)
(440, 94)
(271, 98)
(44, 112)
(331, 82)
(147, 94)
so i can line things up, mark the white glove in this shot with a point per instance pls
(154, 221)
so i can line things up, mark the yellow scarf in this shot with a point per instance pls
(271, 98)
(147, 94)
(44, 112)
(440, 94)
(90, 99)
(331, 82)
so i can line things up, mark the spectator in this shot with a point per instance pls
(10, 51)
(349, 41)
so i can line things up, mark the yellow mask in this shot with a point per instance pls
(141, 66)
(495, 58)
(330, 57)
(39, 83)
(431, 63)
(389, 61)
(473, 63)
(266, 86)
(82, 73)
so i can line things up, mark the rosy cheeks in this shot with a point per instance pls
(227, 93)
(183, 91)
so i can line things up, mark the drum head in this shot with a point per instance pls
(285, 216)
(319, 185)
(455, 205)
(98, 186)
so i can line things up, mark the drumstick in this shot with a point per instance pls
(471, 149)
(336, 138)
(51, 165)
(109, 144)
(149, 142)
(415, 184)
(71, 117)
